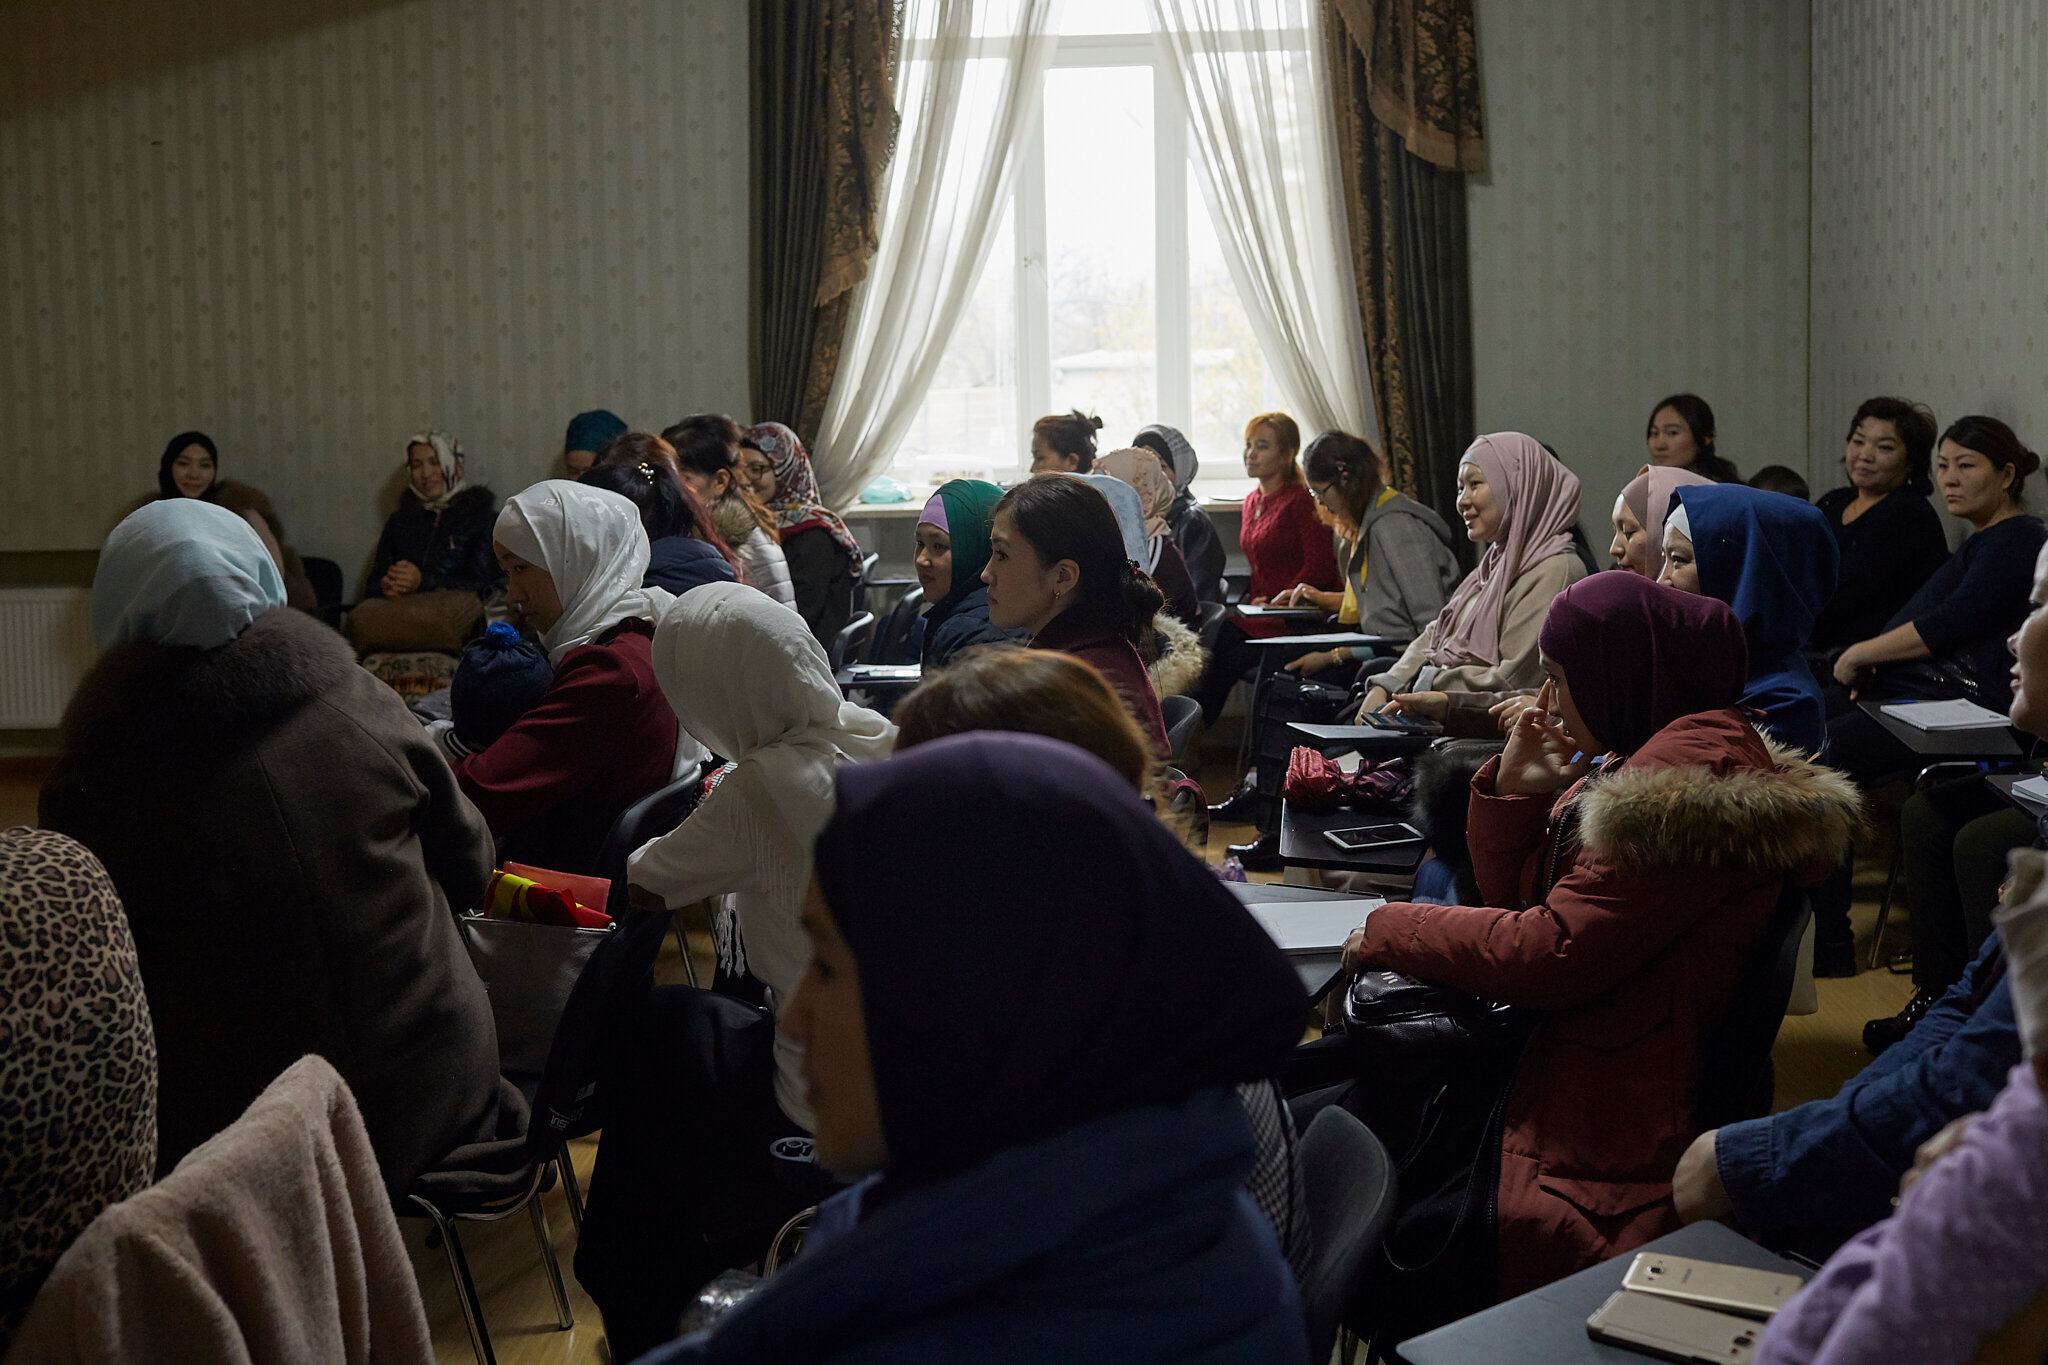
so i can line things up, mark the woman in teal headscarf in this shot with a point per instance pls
(952, 550)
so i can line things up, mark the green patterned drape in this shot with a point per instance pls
(823, 123)
(1406, 86)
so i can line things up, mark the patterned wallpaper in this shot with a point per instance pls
(311, 230)
(1930, 187)
(1642, 229)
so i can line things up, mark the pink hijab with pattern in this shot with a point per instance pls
(796, 504)
(1648, 495)
(1538, 499)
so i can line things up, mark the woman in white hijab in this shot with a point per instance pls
(602, 737)
(287, 845)
(747, 678)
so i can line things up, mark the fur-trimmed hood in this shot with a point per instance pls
(144, 695)
(1682, 802)
(1181, 657)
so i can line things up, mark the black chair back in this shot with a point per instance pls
(1349, 1187)
(848, 645)
(892, 642)
(650, 816)
(566, 1103)
(1735, 1068)
(1209, 622)
(1182, 714)
(861, 584)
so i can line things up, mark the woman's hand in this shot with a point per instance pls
(1303, 595)
(1308, 665)
(1849, 666)
(1423, 705)
(1696, 1186)
(1540, 757)
(1374, 700)
(1934, 1149)
(1508, 710)
(1354, 948)
(1258, 601)
(401, 578)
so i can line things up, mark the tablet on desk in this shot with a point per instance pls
(1279, 613)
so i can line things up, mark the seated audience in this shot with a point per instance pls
(589, 433)
(683, 1186)
(1286, 544)
(190, 468)
(551, 786)
(1518, 501)
(952, 550)
(1057, 570)
(1638, 518)
(1039, 692)
(1777, 478)
(1958, 1265)
(1064, 443)
(1142, 471)
(824, 558)
(1947, 642)
(707, 460)
(684, 550)
(321, 796)
(78, 1074)
(433, 565)
(1056, 1173)
(1890, 544)
(1193, 529)
(1772, 559)
(1632, 900)
(1681, 436)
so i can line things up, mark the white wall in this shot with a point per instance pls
(1642, 227)
(313, 229)
(1930, 182)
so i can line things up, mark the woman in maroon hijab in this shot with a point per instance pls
(1623, 901)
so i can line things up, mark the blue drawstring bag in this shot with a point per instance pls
(501, 677)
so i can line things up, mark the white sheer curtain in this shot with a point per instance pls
(1261, 128)
(967, 90)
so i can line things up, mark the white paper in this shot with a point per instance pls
(1945, 715)
(2033, 788)
(1312, 926)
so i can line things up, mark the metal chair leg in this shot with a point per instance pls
(571, 1191)
(565, 1315)
(465, 1287)
(683, 947)
(1884, 907)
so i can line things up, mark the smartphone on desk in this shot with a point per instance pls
(1709, 1284)
(1360, 838)
(1670, 1330)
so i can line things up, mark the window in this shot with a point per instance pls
(1105, 290)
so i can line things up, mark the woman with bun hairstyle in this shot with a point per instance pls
(1681, 436)
(1057, 570)
(1064, 443)
(684, 548)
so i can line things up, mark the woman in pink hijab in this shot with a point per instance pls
(1639, 517)
(1517, 500)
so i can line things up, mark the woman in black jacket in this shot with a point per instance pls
(440, 536)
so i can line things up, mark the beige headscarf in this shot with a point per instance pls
(1142, 470)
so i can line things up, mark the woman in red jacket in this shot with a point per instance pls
(603, 736)
(1286, 543)
(1634, 898)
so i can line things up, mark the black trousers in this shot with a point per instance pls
(1866, 752)
(684, 1186)
(1230, 658)
(1955, 837)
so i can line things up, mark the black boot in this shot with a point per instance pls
(1260, 855)
(1880, 1034)
(1241, 805)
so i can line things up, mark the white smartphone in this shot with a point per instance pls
(1671, 1330)
(1709, 1284)
(1359, 838)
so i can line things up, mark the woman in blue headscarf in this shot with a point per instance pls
(1774, 560)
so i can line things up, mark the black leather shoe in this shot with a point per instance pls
(1238, 807)
(1834, 959)
(1880, 1034)
(1260, 855)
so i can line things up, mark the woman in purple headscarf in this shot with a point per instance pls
(1624, 902)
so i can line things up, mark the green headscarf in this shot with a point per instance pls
(970, 507)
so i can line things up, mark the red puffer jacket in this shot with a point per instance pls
(1632, 950)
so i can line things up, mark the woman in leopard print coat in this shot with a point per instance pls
(77, 1059)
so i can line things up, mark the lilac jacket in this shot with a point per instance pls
(1966, 1251)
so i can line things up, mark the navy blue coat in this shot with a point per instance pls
(965, 626)
(1819, 1173)
(680, 563)
(1125, 1239)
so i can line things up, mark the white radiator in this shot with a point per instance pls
(45, 648)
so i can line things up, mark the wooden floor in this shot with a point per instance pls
(1814, 1055)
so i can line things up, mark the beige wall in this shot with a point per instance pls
(1642, 228)
(312, 229)
(1930, 186)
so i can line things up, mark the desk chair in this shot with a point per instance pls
(852, 641)
(325, 576)
(1182, 715)
(648, 818)
(1736, 1079)
(892, 641)
(1350, 1189)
